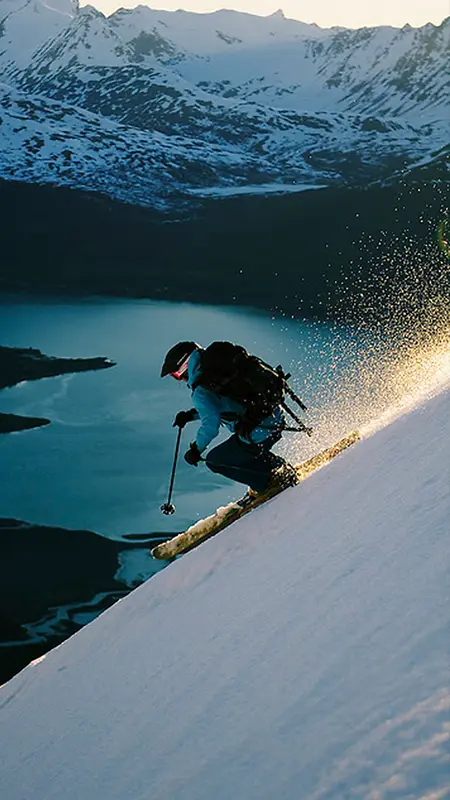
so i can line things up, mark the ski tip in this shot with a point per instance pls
(159, 552)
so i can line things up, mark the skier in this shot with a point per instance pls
(246, 455)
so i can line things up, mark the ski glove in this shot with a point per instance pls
(193, 456)
(183, 417)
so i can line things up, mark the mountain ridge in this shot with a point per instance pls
(243, 100)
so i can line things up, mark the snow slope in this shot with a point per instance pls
(304, 653)
(47, 141)
(27, 24)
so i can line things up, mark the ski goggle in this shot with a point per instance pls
(181, 371)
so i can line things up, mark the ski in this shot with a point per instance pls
(224, 516)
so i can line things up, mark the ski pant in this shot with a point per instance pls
(246, 462)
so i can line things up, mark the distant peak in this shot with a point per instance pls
(277, 14)
(91, 11)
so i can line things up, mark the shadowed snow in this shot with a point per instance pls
(303, 653)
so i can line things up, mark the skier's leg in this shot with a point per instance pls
(238, 463)
(251, 464)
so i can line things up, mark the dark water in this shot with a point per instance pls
(104, 462)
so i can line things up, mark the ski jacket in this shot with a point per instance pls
(215, 410)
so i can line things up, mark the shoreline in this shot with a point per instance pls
(68, 578)
(14, 423)
(19, 364)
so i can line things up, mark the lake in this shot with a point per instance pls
(104, 463)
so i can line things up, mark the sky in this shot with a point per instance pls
(347, 13)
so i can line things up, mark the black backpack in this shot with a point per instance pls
(229, 370)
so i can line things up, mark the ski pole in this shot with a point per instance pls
(294, 396)
(286, 428)
(169, 508)
(303, 427)
(285, 376)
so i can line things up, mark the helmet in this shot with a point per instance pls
(175, 362)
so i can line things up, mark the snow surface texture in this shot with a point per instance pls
(302, 653)
(238, 100)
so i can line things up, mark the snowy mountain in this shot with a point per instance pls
(303, 653)
(26, 24)
(239, 100)
(44, 140)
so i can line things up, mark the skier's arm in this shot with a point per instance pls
(209, 413)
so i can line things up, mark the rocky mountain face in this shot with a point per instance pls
(155, 107)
